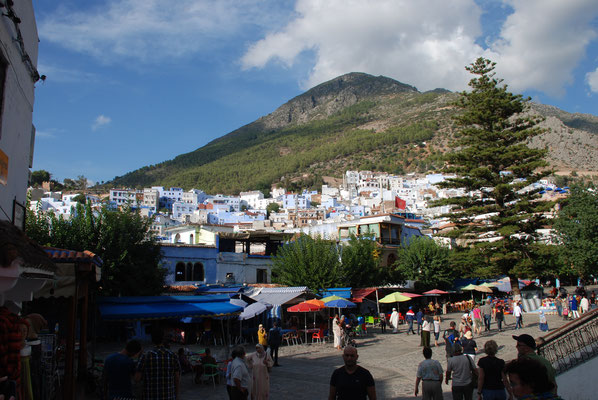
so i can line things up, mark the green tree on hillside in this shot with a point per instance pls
(577, 230)
(493, 165)
(38, 177)
(122, 239)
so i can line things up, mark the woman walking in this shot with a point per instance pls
(337, 331)
(492, 380)
(260, 363)
(427, 327)
(436, 329)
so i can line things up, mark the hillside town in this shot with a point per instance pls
(480, 280)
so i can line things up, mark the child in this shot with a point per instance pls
(543, 322)
(436, 329)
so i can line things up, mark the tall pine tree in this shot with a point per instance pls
(497, 215)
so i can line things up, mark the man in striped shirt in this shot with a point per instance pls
(160, 370)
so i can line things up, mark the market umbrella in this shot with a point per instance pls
(489, 284)
(316, 302)
(330, 298)
(394, 297)
(435, 292)
(471, 286)
(411, 295)
(483, 289)
(251, 311)
(340, 303)
(305, 307)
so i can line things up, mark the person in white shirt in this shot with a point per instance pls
(240, 375)
(584, 304)
(394, 320)
(517, 312)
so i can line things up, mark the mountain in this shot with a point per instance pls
(355, 121)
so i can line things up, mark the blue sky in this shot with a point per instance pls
(136, 82)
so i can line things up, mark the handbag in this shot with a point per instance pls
(474, 373)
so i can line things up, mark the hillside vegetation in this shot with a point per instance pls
(356, 121)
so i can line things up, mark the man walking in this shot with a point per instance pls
(459, 367)
(410, 317)
(274, 339)
(517, 313)
(526, 348)
(487, 313)
(119, 368)
(430, 372)
(351, 382)
(160, 370)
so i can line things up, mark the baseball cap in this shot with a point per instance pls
(526, 340)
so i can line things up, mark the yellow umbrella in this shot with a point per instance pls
(330, 298)
(394, 297)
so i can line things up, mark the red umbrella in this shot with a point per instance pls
(412, 295)
(305, 307)
(436, 292)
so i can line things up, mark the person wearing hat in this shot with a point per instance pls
(526, 349)
(469, 345)
(394, 320)
(262, 336)
(410, 317)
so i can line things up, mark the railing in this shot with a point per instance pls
(573, 343)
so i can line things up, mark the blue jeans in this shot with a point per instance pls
(487, 320)
(419, 325)
(410, 322)
(517, 322)
(496, 394)
(499, 323)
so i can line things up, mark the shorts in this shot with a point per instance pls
(477, 322)
(436, 335)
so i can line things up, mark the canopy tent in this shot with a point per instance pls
(238, 302)
(278, 296)
(345, 293)
(504, 284)
(232, 290)
(166, 307)
(360, 294)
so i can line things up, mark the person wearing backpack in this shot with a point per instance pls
(450, 336)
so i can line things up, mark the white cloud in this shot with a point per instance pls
(592, 79)
(543, 41)
(46, 134)
(151, 30)
(100, 121)
(428, 43)
(425, 43)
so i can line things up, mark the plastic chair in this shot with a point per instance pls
(317, 336)
(210, 371)
(369, 320)
(286, 337)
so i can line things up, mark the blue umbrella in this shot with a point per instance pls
(340, 303)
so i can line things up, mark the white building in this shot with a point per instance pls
(120, 197)
(251, 199)
(18, 75)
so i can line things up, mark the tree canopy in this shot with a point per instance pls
(38, 177)
(426, 262)
(577, 230)
(498, 213)
(319, 263)
(122, 239)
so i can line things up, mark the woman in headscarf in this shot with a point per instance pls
(394, 320)
(336, 330)
(260, 363)
(262, 336)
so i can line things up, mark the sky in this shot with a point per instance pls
(132, 83)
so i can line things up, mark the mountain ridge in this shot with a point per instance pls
(354, 121)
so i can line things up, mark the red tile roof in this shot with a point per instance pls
(67, 256)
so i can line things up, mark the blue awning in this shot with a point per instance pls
(345, 293)
(219, 289)
(166, 307)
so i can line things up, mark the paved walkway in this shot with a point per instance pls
(391, 358)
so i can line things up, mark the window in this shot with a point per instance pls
(198, 273)
(179, 273)
(262, 276)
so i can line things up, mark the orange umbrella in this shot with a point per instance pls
(316, 302)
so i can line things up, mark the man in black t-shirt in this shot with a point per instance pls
(351, 382)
